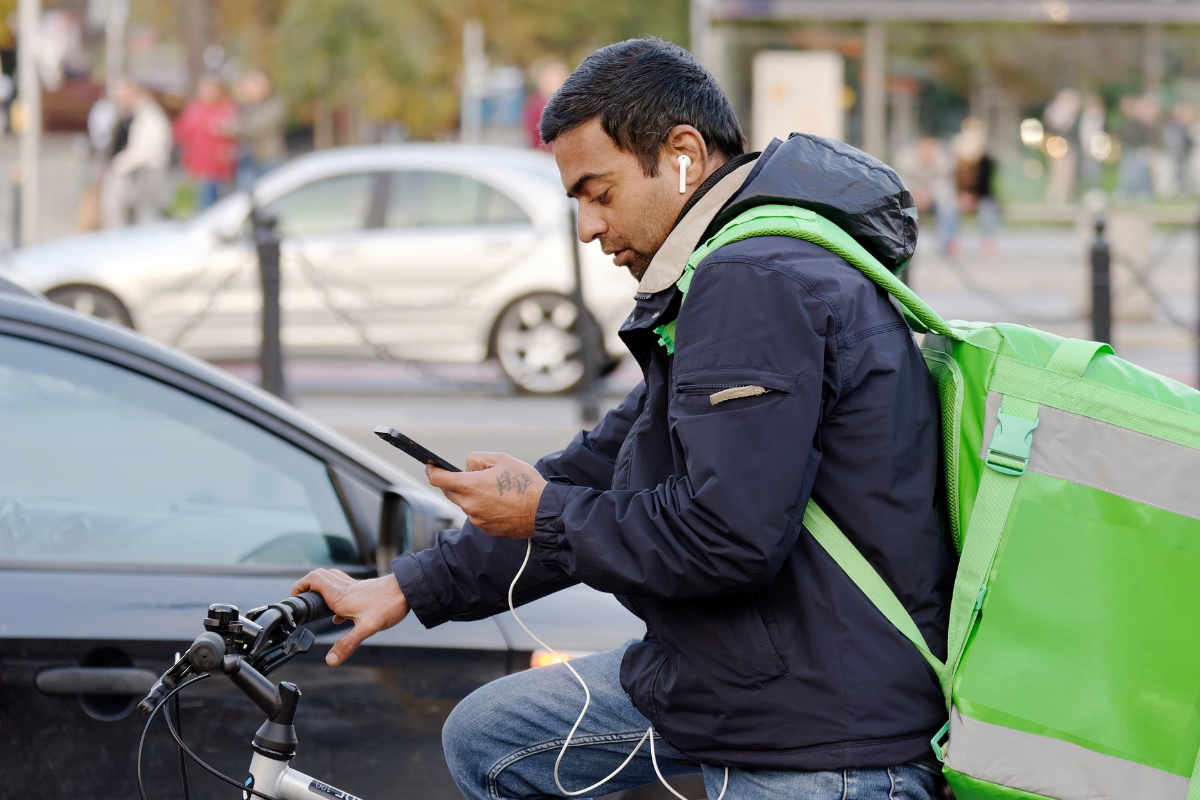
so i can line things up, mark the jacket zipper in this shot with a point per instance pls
(708, 388)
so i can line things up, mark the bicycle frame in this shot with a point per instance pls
(275, 778)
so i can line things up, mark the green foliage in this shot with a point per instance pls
(401, 60)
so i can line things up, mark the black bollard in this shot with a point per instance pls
(270, 354)
(1101, 285)
(590, 337)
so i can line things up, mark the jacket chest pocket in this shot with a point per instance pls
(729, 388)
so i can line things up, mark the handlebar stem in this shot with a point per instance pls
(254, 685)
(276, 738)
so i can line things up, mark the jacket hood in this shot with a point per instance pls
(858, 193)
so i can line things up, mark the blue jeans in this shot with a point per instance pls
(501, 742)
(207, 192)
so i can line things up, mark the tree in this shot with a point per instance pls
(401, 60)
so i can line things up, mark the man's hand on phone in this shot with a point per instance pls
(374, 605)
(498, 493)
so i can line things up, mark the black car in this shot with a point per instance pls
(137, 487)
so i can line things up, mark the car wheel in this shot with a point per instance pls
(537, 341)
(92, 301)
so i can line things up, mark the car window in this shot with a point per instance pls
(101, 464)
(425, 199)
(330, 205)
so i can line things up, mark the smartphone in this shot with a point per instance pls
(397, 439)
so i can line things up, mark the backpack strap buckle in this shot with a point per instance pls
(1012, 442)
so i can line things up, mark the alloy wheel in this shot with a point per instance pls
(538, 343)
(92, 301)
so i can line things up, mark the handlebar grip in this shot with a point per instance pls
(308, 607)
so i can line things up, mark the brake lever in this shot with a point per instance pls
(300, 641)
(269, 620)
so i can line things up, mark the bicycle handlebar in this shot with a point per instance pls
(308, 607)
(268, 637)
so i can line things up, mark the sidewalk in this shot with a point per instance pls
(1042, 277)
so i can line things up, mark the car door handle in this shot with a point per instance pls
(95, 680)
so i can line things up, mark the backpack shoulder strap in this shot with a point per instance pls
(855, 565)
(802, 223)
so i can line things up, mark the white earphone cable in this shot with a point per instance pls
(587, 701)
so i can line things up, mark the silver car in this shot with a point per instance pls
(423, 252)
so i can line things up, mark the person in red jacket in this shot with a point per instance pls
(205, 135)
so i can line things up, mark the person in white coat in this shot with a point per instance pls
(135, 184)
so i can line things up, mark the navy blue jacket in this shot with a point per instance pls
(760, 651)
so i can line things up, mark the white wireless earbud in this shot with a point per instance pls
(684, 163)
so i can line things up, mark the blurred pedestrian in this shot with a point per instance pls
(928, 174)
(135, 182)
(1092, 140)
(1177, 141)
(1138, 137)
(102, 121)
(205, 135)
(261, 121)
(547, 76)
(973, 173)
(1061, 120)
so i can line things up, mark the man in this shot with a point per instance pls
(792, 376)
(260, 125)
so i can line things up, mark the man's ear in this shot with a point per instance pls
(684, 140)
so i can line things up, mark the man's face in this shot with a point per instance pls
(628, 212)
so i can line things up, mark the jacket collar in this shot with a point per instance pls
(668, 263)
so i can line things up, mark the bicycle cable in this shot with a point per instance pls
(207, 767)
(587, 701)
(183, 748)
(187, 792)
(146, 728)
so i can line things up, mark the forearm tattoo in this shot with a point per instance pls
(507, 482)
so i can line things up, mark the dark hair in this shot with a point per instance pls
(640, 89)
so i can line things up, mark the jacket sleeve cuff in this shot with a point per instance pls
(548, 527)
(407, 569)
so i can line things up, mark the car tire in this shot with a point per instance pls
(92, 301)
(537, 341)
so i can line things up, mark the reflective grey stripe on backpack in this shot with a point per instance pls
(1051, 767)
(1101, 456)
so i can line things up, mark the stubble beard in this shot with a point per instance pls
(655, 228)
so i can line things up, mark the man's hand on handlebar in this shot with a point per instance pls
(373, 605)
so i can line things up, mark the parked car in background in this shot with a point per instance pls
(137, 487)
(426, 252)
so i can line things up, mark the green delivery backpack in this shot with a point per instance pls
(1072, 484)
